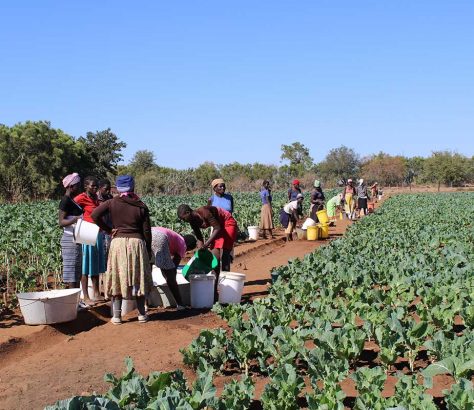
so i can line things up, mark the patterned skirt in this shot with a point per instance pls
(128, 268)
(71, 254)
(266, 218)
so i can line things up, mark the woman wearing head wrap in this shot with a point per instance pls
(219, 198)
(362, 197)
(348, 196)
(266, 214)
(289, 216)
(128, 268)
(317, 197)
(93, 256)
(69, 213)
(293, 192)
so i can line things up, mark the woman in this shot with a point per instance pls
(219, 198)
(289, 216)
(349, 203)
(374, 191)
(69, 213)
(168, 248)
(317, 197)
(362, 197)
(266, 215)
(128, 269)
(93, 256)
(293, 192)
(103, 194)
(332, 205)
(223, 235)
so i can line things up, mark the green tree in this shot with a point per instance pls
(34, 157)
(445, 167)
(103, 152)
(204, 174)
(342, 162)
(298, 156)
(142, 162)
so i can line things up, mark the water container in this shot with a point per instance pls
(85, 232)
(128, 305)
(301, 234)
(312, 233)
(253, 232)
(323, 231)
(202, 290)
(231, 285)
(203, 261)
(322, 216)
(48, 307)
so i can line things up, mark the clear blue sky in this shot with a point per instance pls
(233, 80)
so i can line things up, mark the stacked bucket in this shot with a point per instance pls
(321, 230)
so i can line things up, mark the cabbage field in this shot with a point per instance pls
(29, 243)
(392, 298)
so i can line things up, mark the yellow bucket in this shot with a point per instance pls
(323, 231)
(312, 233)
(322, 217)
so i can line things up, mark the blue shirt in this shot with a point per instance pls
(224, 202)
(266, 196)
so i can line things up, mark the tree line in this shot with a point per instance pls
(34, 157)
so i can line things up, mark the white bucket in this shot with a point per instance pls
(128, 305)
(253, 232)
(202, 290)
(48, 307)
(379, 197)
(85, 232)
(231, 285)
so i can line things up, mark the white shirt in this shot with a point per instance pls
(290, 207)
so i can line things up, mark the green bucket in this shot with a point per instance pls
(203, 262)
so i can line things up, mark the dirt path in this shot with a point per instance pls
(42, 364)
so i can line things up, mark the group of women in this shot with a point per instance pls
(127, 244)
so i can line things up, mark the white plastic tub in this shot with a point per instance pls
(128, 305)
(253, 232)
(231, 285)
(85, 232)
(49, 307)
(202, 290)
(161, 295)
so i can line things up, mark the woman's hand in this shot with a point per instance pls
(199, 244)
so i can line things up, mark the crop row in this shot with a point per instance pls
(393, 298)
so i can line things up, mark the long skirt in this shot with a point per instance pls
(349, 204)
(71, 253)
(93, 257)
(266, 218)
(128, 268)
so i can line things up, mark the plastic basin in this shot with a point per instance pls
(49, 307)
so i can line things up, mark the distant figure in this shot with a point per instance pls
(168, 249)
(317, 197)
(374, 191)
(348, 195)
(362, 197)
(266, 214)
(69, 213)
(332, 205)
(93, 256)
(293, 193)
(129, 270)
(289, 216)
(219, 198)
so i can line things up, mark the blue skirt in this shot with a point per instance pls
(93, 257)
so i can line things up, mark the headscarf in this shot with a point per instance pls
(125, 183)
(317, 184)
(296, 182)
(71, 179)
(217, 181)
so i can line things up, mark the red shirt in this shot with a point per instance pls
(88, 205)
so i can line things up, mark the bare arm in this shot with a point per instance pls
(63, 222)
